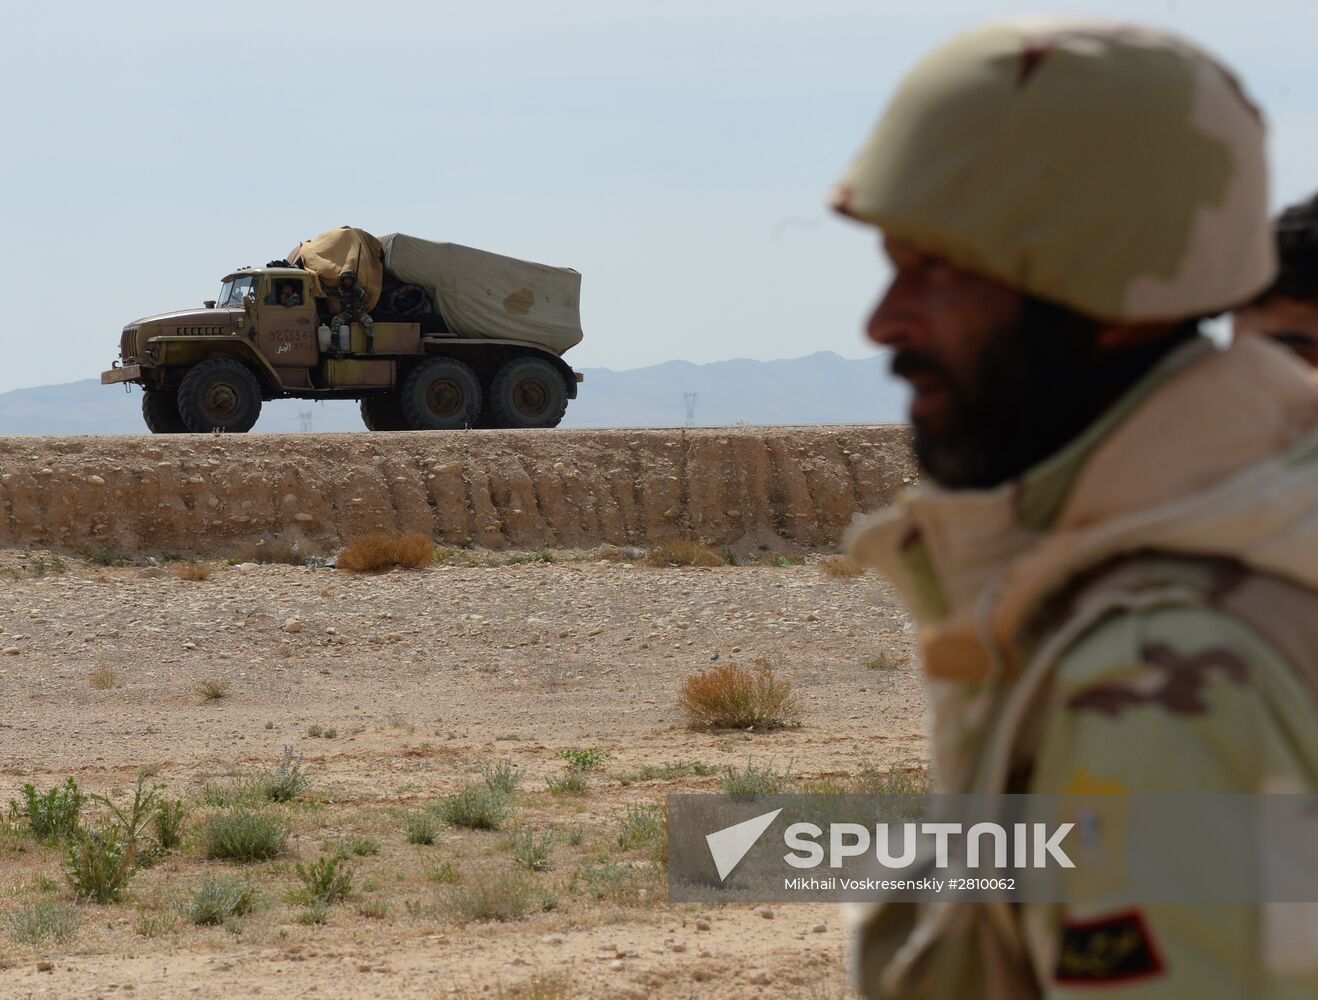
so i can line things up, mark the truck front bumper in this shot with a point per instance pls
(125, 373)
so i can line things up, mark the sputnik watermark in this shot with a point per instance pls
(1033, 845)
(1016, 848)
(852, 840)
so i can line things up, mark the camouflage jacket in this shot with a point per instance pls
(1138, 614)
(352, 302)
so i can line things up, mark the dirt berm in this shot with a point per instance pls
(220, 496)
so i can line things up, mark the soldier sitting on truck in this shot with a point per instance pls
(352, 308)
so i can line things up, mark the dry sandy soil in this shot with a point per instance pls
(425, 676)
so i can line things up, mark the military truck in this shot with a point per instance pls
(482, 345)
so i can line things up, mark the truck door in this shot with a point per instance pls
(286, 332)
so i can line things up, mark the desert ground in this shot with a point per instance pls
(377, 697)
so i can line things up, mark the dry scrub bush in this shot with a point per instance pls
(497, 896)
(912, 779)
(218, 900)
(373, 909)
(192, 570)
(373, 553)
(683, 553)
(622, 884)
(841, 568)
(42, 921)
(542, 986)
(103, 678)
(885, 661)
(212, 688)
(732, 697)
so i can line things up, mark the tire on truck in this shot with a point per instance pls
(441, 394)
(383, 412)
(219, 394)
(528, 392)
(160, 411)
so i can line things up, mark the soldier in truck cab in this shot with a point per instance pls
(288, 294)
(352, 307)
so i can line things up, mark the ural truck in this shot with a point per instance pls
(461, 338)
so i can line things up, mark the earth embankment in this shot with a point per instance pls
(213, 495)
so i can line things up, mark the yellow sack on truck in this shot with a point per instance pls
(327, 255)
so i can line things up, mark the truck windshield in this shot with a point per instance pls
(233, 290)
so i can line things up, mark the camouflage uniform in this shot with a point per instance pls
(352, 309)
(1139, 612)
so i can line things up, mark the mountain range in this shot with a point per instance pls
(821, 388)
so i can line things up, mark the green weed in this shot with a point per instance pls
(530, 851)
(99, 864)
(421, 828)
(476, 808)
(42, 921)
(572, 783)
(326, 880)
(588, 759)
(752, 781)
(167, 823)
(501, 776)
(243, 836)
(218, 900)
(50, 815)
(356, 847)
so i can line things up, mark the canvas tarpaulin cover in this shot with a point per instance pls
(328, 254)
(482, 294)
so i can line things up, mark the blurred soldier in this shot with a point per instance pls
(1113, 559)
(288, 295)
(352, 307)
(1288, 310)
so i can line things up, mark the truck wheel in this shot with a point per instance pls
(441, 394)
(528, 392)
(383, 412)
(160, 411)
(219, 394)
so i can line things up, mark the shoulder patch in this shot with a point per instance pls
(1113, 949)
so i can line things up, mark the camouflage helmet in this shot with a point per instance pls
(347, 272)
(1114, 169)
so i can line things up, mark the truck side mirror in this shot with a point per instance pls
(249, 301)
(209, 303)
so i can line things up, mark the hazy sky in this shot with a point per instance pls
(677, 154)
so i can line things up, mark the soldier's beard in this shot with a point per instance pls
(1040, 383)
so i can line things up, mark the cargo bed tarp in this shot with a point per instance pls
(328, 254)
(482, 294)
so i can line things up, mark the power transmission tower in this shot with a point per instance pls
(689, 401)
(305, 419)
